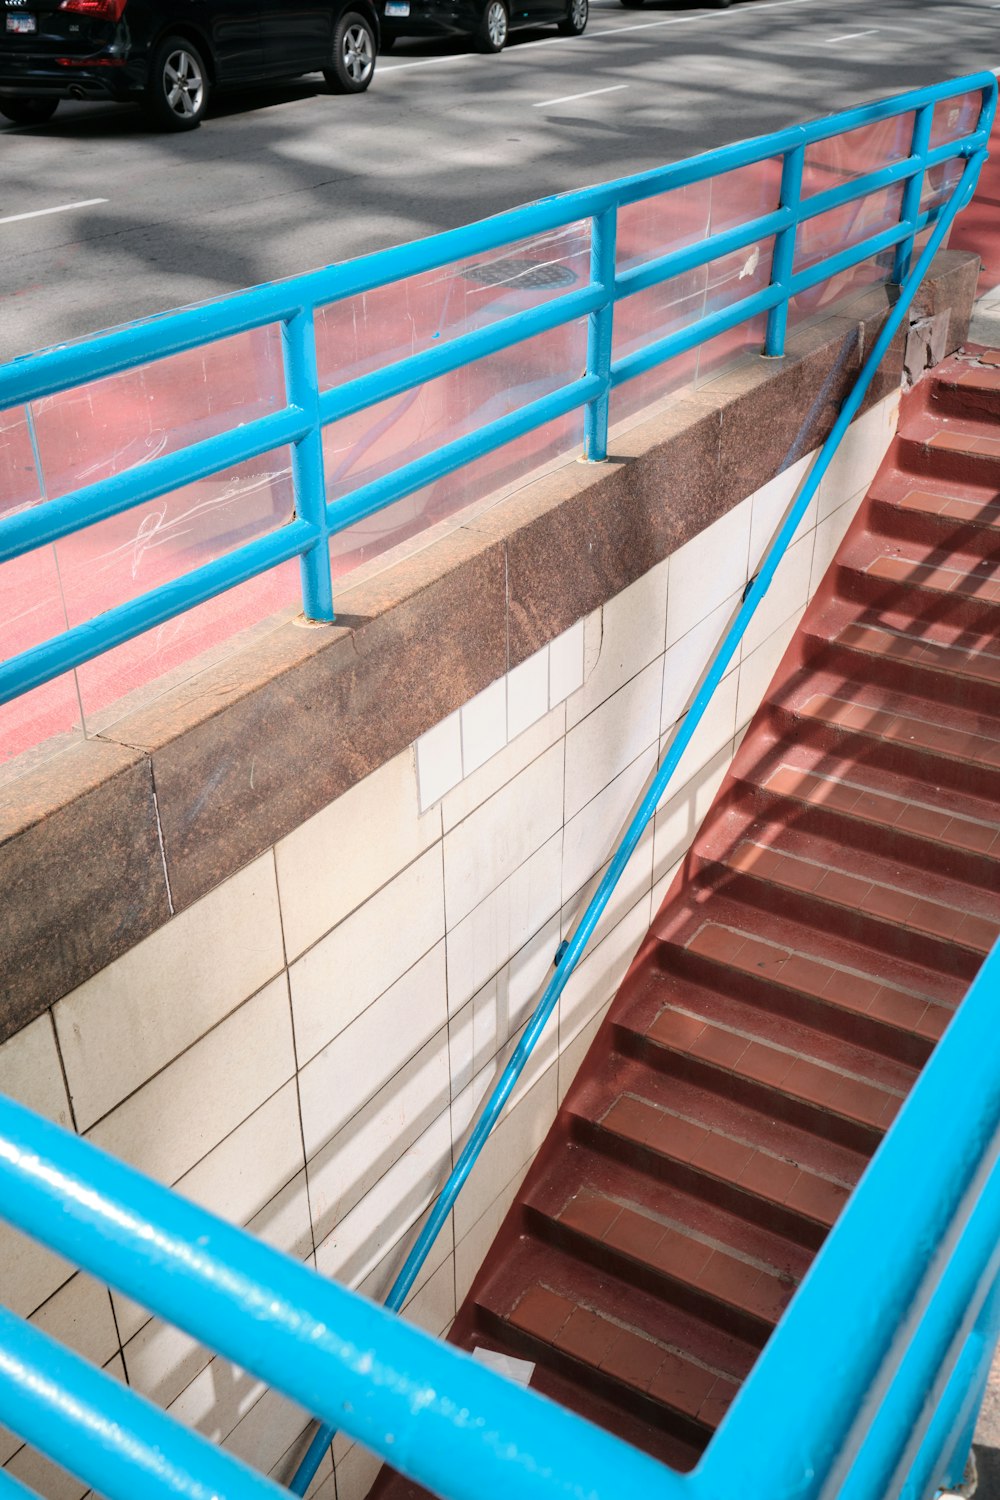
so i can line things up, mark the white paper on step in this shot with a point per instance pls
(518, 1370)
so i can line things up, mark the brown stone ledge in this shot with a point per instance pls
(99, 845)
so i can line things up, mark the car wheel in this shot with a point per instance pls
(176, 96)
(28, 111)
(354, 52)
(575, 23)
(492, 33)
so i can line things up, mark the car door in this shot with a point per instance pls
(233, 28)
(296, 35)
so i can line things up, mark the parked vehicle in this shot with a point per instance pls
(170, 55)
(487, 22)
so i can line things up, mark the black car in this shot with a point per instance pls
(168, 55)
(486, 21)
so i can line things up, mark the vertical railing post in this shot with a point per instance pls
(913, 190)
(783, 259)
(603, 240)
(298, 343)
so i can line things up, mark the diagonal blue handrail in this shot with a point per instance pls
(571, 952)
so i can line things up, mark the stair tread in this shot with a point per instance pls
(870, 711)
(783, 950)
(909, 642)
(918, 901)
(583, 1173)
(721, 1138)
(663, 1008)
(969, 431)
(630, 1337)
(938, 814)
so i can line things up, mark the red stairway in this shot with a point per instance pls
(831, 915)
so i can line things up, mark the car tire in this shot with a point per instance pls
(176, 96)
(492, 33)
(575, 23)
(28, 111)
(354, 54)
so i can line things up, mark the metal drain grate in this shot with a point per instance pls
(524, 275)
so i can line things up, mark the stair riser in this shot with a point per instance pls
(825, 822)
(801, 1113)
(855, 925)
(903, 1046)
(936, 682)
(772, 1216)
(944, 534)
(950, 400)
(931, 462)
(625, 1398)
(954, 611)
(894, 756)
(690, 1299)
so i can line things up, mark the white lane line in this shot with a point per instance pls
(566, 98)
(62, 208)
(850, 36)
(598, 36)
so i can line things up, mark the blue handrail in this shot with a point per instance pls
(444, 1421)
(571, 951)
(396, 1389)
(308, 410)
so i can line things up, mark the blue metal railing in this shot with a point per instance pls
(308, 410)
(449, 1424)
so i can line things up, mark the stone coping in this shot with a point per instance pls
(101, 844)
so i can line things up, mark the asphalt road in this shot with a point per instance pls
(285, 178)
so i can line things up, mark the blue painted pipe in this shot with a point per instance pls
(439, 1416)
(114, 1440)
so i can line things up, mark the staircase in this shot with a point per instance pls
(830, 917)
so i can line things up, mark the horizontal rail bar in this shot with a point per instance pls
(379, 493)
(393, 380)
(677, 262)
(816, 204)
(30, 669)
(54, 369)
(658, 353)
(119, 493)
(436, 1414)
(104, 1433)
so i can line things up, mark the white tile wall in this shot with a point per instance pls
(136, 1015)
(418, 917)
(337, 979)
(492, 842)
(340, 857)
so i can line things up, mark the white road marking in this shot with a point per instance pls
(574, 41)
(850, 36)
(63, 208)
(566, 98)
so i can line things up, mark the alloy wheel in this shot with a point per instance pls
(496, 24)
(358, 53)
(183, 84)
